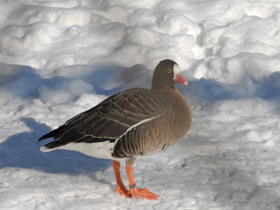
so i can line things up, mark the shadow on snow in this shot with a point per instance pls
(22, 151)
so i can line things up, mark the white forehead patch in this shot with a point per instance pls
(176, 70)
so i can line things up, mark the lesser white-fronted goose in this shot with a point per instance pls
(129, 124)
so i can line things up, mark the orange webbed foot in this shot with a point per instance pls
(123, 191)
(142, 193)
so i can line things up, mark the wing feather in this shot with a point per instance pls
(110, 119)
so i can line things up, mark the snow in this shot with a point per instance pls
(59, 58)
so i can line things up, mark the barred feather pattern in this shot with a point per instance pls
(108, 120)
(153, 135)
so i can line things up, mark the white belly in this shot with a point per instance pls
(99, 150)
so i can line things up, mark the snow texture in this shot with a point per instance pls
(61, 57)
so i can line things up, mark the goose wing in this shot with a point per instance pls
(110, 119)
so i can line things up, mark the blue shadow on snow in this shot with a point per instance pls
(22, 151)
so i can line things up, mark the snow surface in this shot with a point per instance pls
(61, 57)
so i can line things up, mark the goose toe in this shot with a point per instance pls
(123, 191)
(143, 193)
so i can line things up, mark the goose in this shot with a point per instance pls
(128, 125)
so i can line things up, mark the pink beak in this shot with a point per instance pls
(180, 79)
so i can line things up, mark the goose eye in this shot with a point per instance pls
(169, 70)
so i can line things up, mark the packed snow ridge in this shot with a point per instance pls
(59, 58)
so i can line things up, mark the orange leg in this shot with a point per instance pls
(120, 186)
(136, 192)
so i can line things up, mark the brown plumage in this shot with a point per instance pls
(130, 124)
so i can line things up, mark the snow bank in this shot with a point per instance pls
(59, 58)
